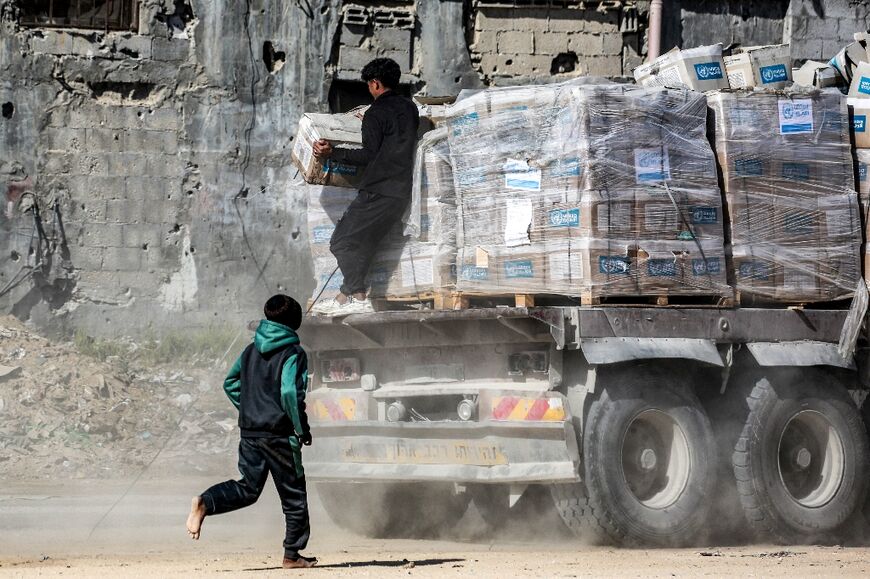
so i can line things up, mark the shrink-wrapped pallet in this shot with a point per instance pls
(417, 257)
(597, 190)
(789, 182)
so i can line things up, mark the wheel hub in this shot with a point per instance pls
(656, 460)
(811, 459)
(648, 459)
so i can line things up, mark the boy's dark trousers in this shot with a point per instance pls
(368, 219)
(257, 458)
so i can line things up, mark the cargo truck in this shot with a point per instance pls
(648, 425)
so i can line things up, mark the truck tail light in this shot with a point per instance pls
(337, 407)
(339, 370)
(545, 407)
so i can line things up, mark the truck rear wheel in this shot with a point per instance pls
(801, 459)
(649, 463)
(395, 510)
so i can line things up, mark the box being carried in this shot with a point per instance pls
(344, 130)
(765, 66)
(700, 69)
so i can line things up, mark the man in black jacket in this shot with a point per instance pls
(389, 139)
(267, 385)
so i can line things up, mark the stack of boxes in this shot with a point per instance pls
(603, 190)
(788, 177)
(409, 264)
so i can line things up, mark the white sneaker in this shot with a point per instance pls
(355, 306)
(326, 307)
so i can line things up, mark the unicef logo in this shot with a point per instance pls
(767, 75)
(708, 71)
(564, 217)
(787, 111)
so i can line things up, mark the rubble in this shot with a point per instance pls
(64, 414)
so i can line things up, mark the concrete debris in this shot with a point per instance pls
(66, 415)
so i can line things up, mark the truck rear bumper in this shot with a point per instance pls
(485, 452)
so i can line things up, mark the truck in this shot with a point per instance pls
(646, 425)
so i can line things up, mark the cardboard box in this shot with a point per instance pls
(859, 114)
(846, 61)
(700, 69)
(682, 268)
(862, 163)
(759, 66)
(814, 74)
(342, 130)
(859, 88)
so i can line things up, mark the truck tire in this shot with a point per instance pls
(649, 460)
(801, 460)
(393, 510)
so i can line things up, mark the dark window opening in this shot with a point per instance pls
(345, 95)
(8, 110)
(92, 14)
(564, 62)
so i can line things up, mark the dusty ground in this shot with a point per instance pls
(45, 527)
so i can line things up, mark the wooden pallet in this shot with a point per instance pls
(590, 298)
(452, 300)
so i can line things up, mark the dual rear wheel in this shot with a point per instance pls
(793, 465)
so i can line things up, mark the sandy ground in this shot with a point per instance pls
(48, 529)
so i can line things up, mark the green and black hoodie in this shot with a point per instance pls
(267, 384)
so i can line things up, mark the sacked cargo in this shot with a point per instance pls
(340, 129)
(764, 66)
(814, 74)
(701, 69)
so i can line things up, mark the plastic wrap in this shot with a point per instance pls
(604, 190)
(787, 170)
(405, 266)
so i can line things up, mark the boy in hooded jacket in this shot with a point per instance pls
(267, 385)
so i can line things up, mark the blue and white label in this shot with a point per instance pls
(613, 264)
(519, 175)
(795, 116)
(322, 234)
(754, 270)
(796, 171)
(465, 124)
(563, 218)
(565, 168)
(859, 123)
(519, 268)
(701, 266)
(864, 85)
(773, 73)
(708, 70)
(652, 165)
(340, 168)
(748, 167)
(862, 172)
(470, 177)
(474, 273)
(661, 267)
(705, 215)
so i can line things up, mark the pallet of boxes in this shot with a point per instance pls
(415, 260)
(597, 192)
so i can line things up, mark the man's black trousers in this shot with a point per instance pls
(257, 458)
(358, 233)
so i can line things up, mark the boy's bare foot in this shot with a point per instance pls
(194, 519)
(300, 563)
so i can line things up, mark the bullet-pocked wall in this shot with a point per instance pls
(144, 144)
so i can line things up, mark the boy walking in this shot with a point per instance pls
(267, 386)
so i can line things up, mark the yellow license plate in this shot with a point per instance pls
(423, 452)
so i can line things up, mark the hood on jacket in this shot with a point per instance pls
(272, 336)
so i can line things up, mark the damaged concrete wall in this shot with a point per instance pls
(146, 173)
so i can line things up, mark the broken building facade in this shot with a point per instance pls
(144, 144)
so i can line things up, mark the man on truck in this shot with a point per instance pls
(389, 138)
